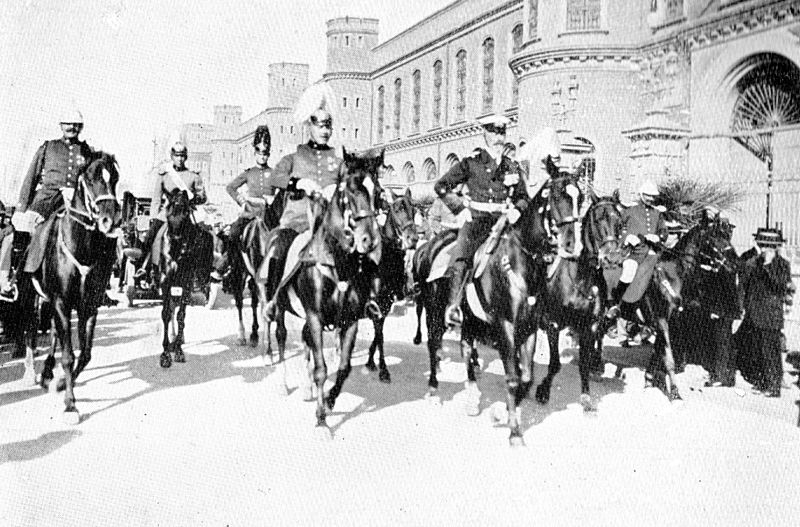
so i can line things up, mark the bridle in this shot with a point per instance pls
(91, 211)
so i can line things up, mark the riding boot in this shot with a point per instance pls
(271, 309)
(220, 268)
(616, 299)
(8, 285)
(452, 314)
(147, 247)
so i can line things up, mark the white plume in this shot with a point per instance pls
(316, 96)
(544, 143)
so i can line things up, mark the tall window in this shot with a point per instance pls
(488, 74)
(533, 19)
(398, 101)
(516, 45)
(674, 9)
(461, 84)
(416, 82)
(583, 15)
(380, 113)
(437, 93)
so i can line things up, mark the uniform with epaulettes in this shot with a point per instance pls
(312, 161)
(167, 181)
(641, 220)
(56, 165)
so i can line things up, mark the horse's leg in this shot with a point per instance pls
(254, 296)
(347, 341)
(434, 319)
(50, 361)
(64, 326)
(320, 371)
(418, 307)
(526, 354)
(370, 364)
(177, 346)
(586, 338)
(669, 360)
(306, 369)
(383, 375)
(238, 297)
(543, 390)
(472, 401)
(166, 318)
(86, 324)
(511, 366)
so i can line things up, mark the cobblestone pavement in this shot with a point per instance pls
(212, 442)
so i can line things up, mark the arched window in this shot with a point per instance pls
(583, 15)
(516, 45)
(437, 93)
(488, 74)
(533, 19)
(408, 172)
(416, 79)
(429, 169)
(461, 84)
(380, 106)
(398, 101)
(451, 160)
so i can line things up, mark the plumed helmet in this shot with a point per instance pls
(71, 116)
(179, 148)
(316, 97)
(648, 188)
(262, 138)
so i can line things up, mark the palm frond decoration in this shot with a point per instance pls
(686, 198)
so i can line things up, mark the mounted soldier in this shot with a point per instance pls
(258, 200)
(170, 177)
(645, 232)
(51, 180)
(496, 185)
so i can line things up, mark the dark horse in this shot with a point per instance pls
(185, 257)
(246, 259)
(503, 304)
(587, 237)
(398, 241)
(332, 284)
(80, 252)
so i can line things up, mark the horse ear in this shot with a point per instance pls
(615, 195)
(408, 192)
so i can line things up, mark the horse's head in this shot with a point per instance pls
(178, 208)
(602, 226)
(400, 226)
(351, 213)
(716, 251)
(565, 202)
(96, 193)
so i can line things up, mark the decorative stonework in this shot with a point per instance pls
(458, 131)
(664, 78)
(749, 19)
(346, 75)
(658, 146)
(563, 99)
(535, 61)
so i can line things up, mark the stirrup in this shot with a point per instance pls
(453, 315)
(10, 294)
(38, 288)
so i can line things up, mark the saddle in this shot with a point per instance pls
(278, 240)
(37, 247)
(158, 245)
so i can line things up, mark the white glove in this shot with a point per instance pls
(328, 191)
(463, 217)
(513, 215)
(511, 179)
(652, 238)
(381, 218)
(18, 220)
(308, 185)
(632, 239)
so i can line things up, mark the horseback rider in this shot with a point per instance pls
(170, 177)
(645, 231)
(496, 185)
(314, 169)
(50, 182)
(260, 194)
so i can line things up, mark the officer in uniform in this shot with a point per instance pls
(313, 168)
(260, 193)
(645, 231)
(51, 178)
(496, 185)
(170, 177)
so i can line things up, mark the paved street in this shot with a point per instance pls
(211, 442)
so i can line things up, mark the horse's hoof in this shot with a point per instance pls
(71, 417)
(433, 398)
(674, 394)
(499, 413)
(179, 356)
(254, 341)
(370, 367)
(542, 394)
(61, 385)
(384, 376)
(241, 341)
(165, 360)
(472, 407)
(330, 402)
(417, 340)
(516, 441)
(323, 433)
(586, 402)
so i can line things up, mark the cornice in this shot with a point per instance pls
(346, 75)
(530, 61)
(458, 131)
(736, 21)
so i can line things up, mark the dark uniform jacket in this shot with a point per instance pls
(167, 182)
(641, 220)
(259, 186)
(485, 179)
(316, 162)
(764, 289)
(56, 164)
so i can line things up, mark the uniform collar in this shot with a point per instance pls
(486, 156)
(70, 142)
(259, 167)
(316, 146)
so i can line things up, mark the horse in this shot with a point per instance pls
(245, 260)
(331, 286)
(80, 252)
(587, 237)
(399, 238)
(185, 257)
(500, 306)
